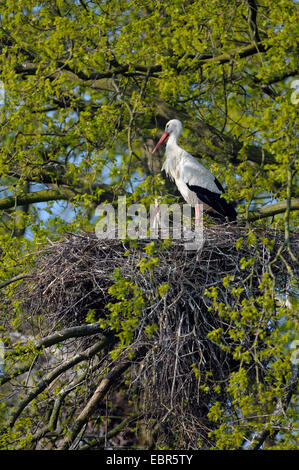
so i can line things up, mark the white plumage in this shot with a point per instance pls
(194, 181)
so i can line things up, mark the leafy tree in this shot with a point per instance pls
(87, 87)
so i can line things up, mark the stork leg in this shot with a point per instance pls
(197, 215)
(157, 217)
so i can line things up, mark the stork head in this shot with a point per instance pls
(174, 127)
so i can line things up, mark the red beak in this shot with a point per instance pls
(164, 136)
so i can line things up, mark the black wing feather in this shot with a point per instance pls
(219, 185)
(214, 200)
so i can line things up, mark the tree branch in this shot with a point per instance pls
(281, 408)
(53, 419)
(45, 382)
(60, 336)
(63, 193)
(30, 68)
(273, 209)
(43, 195)
(116, 430)
(252, 16)
(14, 279)
(97, 396)
(67, 333)
(115, 373)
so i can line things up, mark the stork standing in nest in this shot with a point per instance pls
(195, 182)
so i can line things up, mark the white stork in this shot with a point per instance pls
(195, 182)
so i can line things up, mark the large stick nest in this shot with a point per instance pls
(72, 277)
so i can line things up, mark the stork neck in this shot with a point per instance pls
(172, 142)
